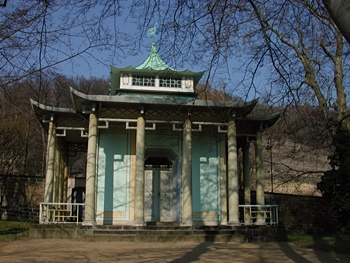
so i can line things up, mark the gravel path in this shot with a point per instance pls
(63, 250)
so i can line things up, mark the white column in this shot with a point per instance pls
(90, 190)
(260, 180)
(140, 172)
(50, 163)
(246, 180)
(233, 186)
(186, 174)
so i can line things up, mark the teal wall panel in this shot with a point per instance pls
(205, 177)
(113, 182)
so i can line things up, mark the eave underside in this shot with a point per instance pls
(73, 126)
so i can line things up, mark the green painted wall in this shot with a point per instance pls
(113, 181)
(205, 178)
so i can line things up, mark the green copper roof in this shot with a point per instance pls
(153, 65)
(154, 61)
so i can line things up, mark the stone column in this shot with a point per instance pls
(65, 178)
(232, 165)
(61, 175)
(90, 189)
(186, 174)
(63, 186)
(50, 163)
(223, 182)
(140, 172)
(260, 180)
(56, 193)
(246, 181)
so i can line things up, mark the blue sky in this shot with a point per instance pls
(96, 62)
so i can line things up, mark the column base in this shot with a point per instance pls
(139, 223)
(223, 223)
(88, 223)
(233, 223)
(260, 222)
(187, 223)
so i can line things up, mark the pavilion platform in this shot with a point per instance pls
(159, 233)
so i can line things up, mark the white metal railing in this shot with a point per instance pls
(61, 213)
(259, 214)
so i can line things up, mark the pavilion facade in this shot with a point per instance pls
(156, 153)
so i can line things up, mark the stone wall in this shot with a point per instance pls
(20, 196)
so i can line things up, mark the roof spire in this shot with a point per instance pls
(153, 61)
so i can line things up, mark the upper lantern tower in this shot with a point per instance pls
(153, 76)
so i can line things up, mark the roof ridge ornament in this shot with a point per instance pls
(152, 31)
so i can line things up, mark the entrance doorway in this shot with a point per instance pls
(158, 190)
(78, 196)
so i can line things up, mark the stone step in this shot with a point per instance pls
(161, 232)
(153, 233)
(167, 238)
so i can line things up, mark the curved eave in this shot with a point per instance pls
(45, 113)
(254, 124)
(268, 120)
(42, 110)
(240, 108)
(82, 100)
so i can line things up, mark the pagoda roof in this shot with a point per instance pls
(171, 103)
(153, 65)
(153, 61)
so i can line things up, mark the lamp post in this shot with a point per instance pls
(269, 148)
(3, 3)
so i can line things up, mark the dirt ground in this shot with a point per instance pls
(63, 250)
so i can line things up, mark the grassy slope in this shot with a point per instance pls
(13, 230)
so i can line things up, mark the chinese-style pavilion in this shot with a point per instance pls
(155, 153)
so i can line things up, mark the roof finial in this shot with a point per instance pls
(152, 31)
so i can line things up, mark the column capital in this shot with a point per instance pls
(142, 110)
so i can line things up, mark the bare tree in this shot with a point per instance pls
(40, 35)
